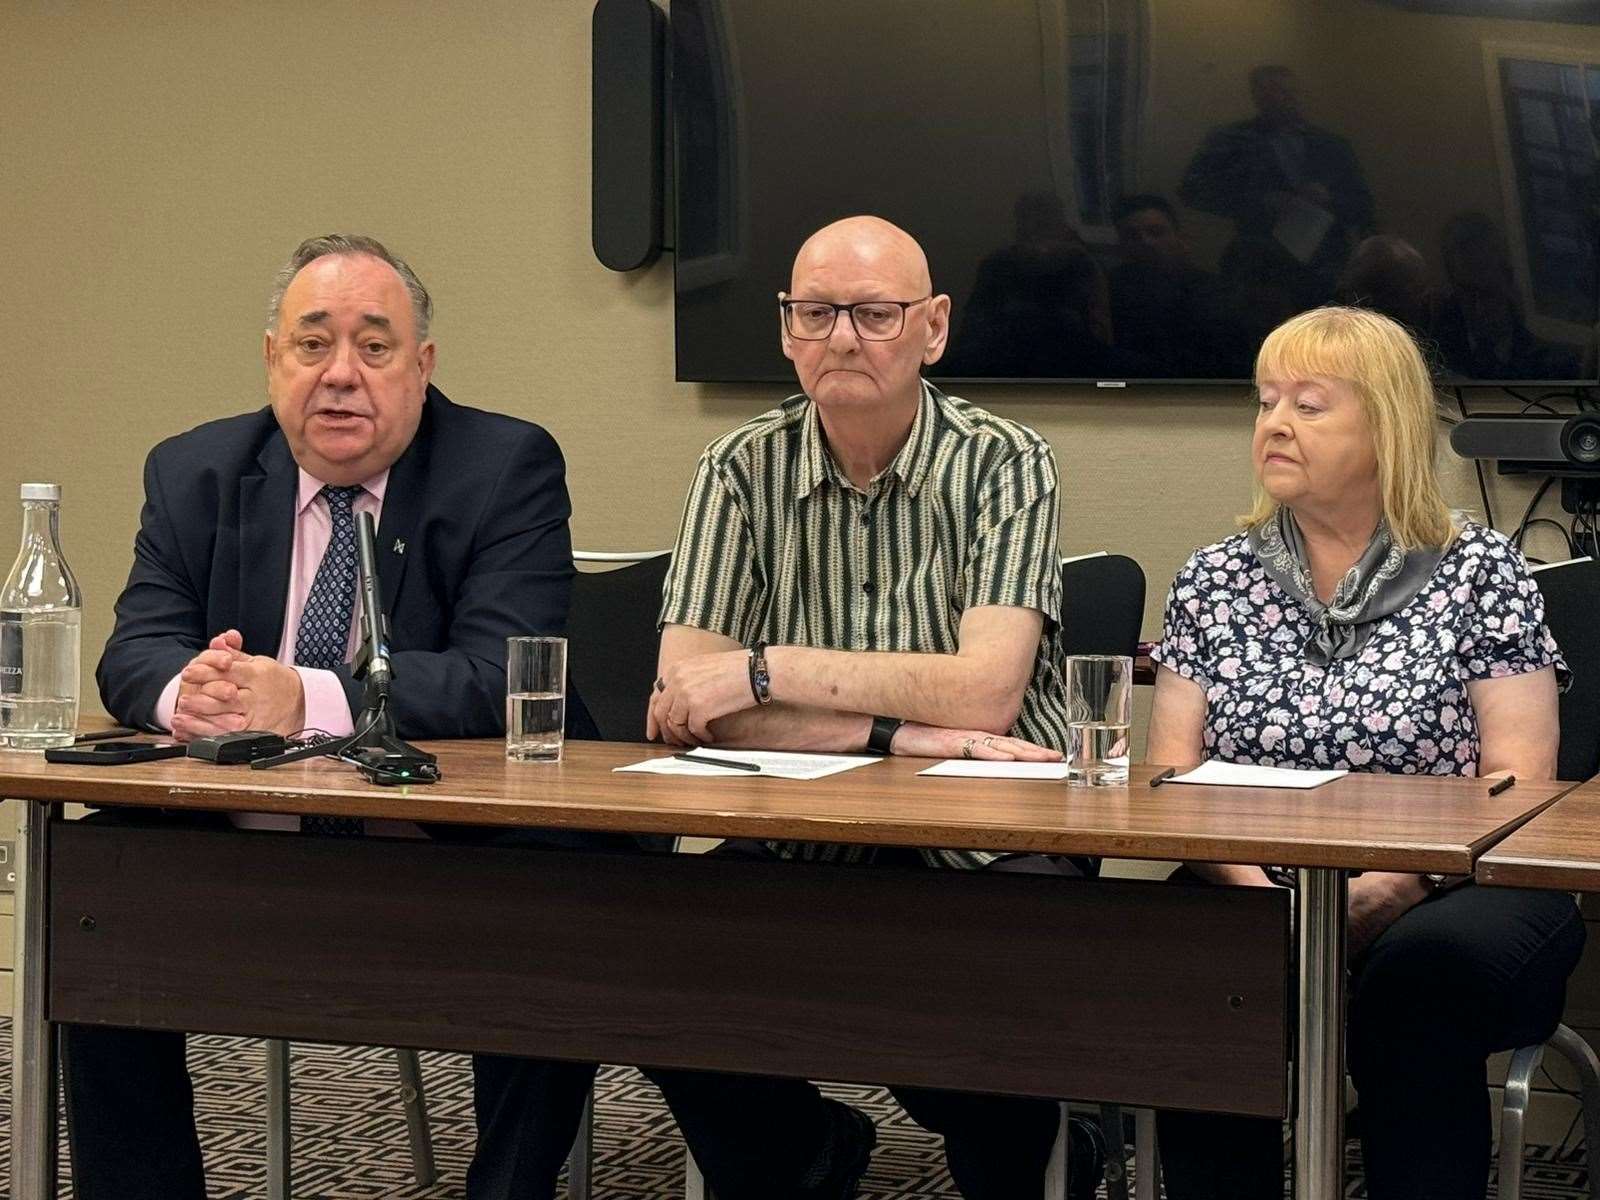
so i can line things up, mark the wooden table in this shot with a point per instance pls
(1019, 984)
(1559, 849)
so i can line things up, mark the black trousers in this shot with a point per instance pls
(130, 1103)
(1460, 976)
(758, 1138)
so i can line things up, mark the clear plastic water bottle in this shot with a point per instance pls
(41, 611)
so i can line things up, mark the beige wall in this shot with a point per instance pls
(161, 159)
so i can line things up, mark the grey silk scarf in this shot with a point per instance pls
(1383, 581)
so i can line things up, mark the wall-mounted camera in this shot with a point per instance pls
(1545, 443)
(1566, 447)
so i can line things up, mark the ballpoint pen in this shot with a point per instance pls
(101, 735)
(730, 763)
(1158, 780)
(1502, 785)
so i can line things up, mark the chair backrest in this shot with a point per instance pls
(1572, 610)
(613, 641)
(1102, 605)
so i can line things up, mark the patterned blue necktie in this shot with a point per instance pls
(325, 624)
(324, 631)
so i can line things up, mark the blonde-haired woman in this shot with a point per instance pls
(1356, 623)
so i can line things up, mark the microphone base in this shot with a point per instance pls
(378, 736)
(382, 755)
(376, 750)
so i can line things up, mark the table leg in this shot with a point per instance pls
(33, 1054)
(1319, 1057)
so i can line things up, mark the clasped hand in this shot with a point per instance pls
(694, 692)
(224, 690)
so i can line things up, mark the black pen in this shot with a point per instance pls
(1163, 777)
(101, 735)
(731, 764)
(1503, 785)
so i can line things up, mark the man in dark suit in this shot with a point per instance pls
(240, 613)
(1295, 192)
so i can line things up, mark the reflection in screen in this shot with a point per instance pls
(1141, 189)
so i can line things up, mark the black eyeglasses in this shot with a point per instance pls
(873, 320)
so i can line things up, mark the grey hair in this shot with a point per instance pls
(314, 248)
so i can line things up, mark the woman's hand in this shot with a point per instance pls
(915, 740)
(1377, 901)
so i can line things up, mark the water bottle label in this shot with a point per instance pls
(10, 653)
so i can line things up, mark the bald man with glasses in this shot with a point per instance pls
(870, 567)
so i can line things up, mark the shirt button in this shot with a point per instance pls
(869, 587)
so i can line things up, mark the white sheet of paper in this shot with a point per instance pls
(779, 764)
(1226, 774)
(1301, 227)
(977, 768)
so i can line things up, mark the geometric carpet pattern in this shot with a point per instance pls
(350, 1139)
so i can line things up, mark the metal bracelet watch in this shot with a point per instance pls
(881, 739)
(760, 679)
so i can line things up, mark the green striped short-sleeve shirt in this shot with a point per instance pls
(777, 546)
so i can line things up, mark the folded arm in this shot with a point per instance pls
(825, 699)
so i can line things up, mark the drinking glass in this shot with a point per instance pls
(536, 698)
(1099, 717)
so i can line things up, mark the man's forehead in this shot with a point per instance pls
(845, 268)
(349, 273)
(344, 281)
(321, 316)
(864, 249)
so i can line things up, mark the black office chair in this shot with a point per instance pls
(1572, 611)
(1572, 600)
(1102, 604)
(613, 641)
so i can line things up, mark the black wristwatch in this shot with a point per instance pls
(882, 735)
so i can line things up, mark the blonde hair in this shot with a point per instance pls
(1381, 362)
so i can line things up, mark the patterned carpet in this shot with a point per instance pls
(350, 1143)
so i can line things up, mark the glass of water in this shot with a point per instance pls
(536, 698)
(1099, 718)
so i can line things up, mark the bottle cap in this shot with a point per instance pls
(41, 491)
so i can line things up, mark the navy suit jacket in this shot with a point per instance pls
(472, 548)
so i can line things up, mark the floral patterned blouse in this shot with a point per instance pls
(1399, 705)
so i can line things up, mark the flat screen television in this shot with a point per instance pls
(1138, 190)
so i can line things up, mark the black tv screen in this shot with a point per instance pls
(1140, 189)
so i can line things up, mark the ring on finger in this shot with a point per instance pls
(661, 684)
(966, 747)
(989, 741)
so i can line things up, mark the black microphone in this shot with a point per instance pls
(376, 651)
(374, 749)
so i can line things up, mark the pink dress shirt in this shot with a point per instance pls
(326, 705)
